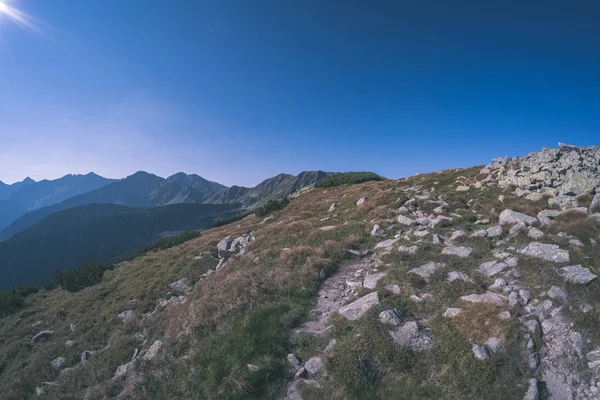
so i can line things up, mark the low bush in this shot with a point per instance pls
(227, 221)
(82, 276)
(14, 299)
(270, 206)
(347, 178)
(163, 244)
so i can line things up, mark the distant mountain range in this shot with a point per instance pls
(147, 190)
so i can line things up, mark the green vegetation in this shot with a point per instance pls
(162, 244)
(347, 178)
(270, 206)
(227, 221)
(81, 277)
(14, 299)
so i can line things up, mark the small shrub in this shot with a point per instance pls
(162, 244)
(227, 221)
(82, 276)
(14, 299)
(270, 206)
(347, 178)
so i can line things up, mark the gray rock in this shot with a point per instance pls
(504, 315)
(575, 242)
(532, 390)
(386, 244)
(393, 288)
(488, 298)
(517, 228)
(181, 287)
(557, 293)
(494, 231)
(437, 239)
(408, 250)
(58, 362)
(593, 358)
(124, 370)
(391, 317)
(547, 252)
(534, 196)
(224, 247)
(595, 204)
(314, 365)
(409, 335)
(292, 359)
(452, 312)
(458, 276)
(480, 233)
(153, 351)
(535, 233)
(576, 274)
(462, 188)
(126, 315)
(524, 297)
(377, 231)
(427, 270)
(371, 280)
(498, 285)
(492, 268)
(457, 234)
(359, 307)
(547, 216)
(41, 336)
(457, 251)
(73, 327)
(361, 201)
(480, 352)
(252, 367)
(441, 221)
(328, 228)
(577, 183)
(332, 207)
(510, 217)
(405, 220)
(69, 343)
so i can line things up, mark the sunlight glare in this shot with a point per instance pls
(19, 17)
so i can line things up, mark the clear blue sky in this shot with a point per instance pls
(238, 91)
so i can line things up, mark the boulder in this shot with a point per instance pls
(458, 276)
(427, 270)
(409, 335)
(408, 250)
(86, 355)
(371, 280)
(547, 252)
(42, 336)
(359, 307)
(386, 244)
(405, 220)
(152, 351)
(576, 274)
(313, 365)
(292, 359)
(577, 183)
(377, 231)
(593, 358)
(532, 390)
(487, 298)
(224, 247)
(181, 287)
(58, 362)
(510, 217)
(535, 233)
(360, 201)
(494, 231)
(492, 268)
(393, 288)
(480, 352)
(457, 251)
(557, 293)
(457, 234)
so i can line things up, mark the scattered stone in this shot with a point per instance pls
(492, 268)
(393, 288)
(301, 373)
(252, 367)
(360, 201)
(462, 188)
(405, 220)
(480, 233)
(123, 370)
(532, 391)
(371, 280)
(69, 343)
(409, 335)
(408, 250)
(391, 317)
(504, 315)
(547, 216)
(488, 297)
(125, 315)
(292, 359)
(577, 183)
(332, 207)
(43, 335)
(533, 326)
(593, 358)
(510, 217)
(534, 196)
(557, 293)
(452, 312)
(427, 270)
(498, 285)
(377, 231)
(441, 221)
(457, 234)
(181, 287)
(457, 251)
(86, 355)
(595, 204)
(327, 228)
(313, 365)
(360, 307)
(547, 252)
(517, 228)
(524, 297)
(152, 351)
(575, 242)
(73, 327)
(437, 239)
(480, 352)
(386, 244)
(535, 233)
(576, 274)
(58, 362)
(458, 276)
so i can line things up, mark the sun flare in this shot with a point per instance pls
(19, 17)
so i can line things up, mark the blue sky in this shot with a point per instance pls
(237, 91)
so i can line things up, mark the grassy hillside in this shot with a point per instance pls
(96, 232)
(230, 337)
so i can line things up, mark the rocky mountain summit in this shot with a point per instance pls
(477, 283)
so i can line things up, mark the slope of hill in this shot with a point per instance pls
(94, 232)
(10, 210)
(451, 285)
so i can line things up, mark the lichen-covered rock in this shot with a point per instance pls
(427, 270)
(405, 220)
(43, 335)
(181, 287)
(547, 252)
(411, 336)
(314, 365)
(377, 231)
(480, 352)
(391, 317)
(577, 274)
(489, 298)
(492, 268)
(359, 307)
(457, 251)
(510, 217)
(58, 362)
(452, 312)
(371, 280)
